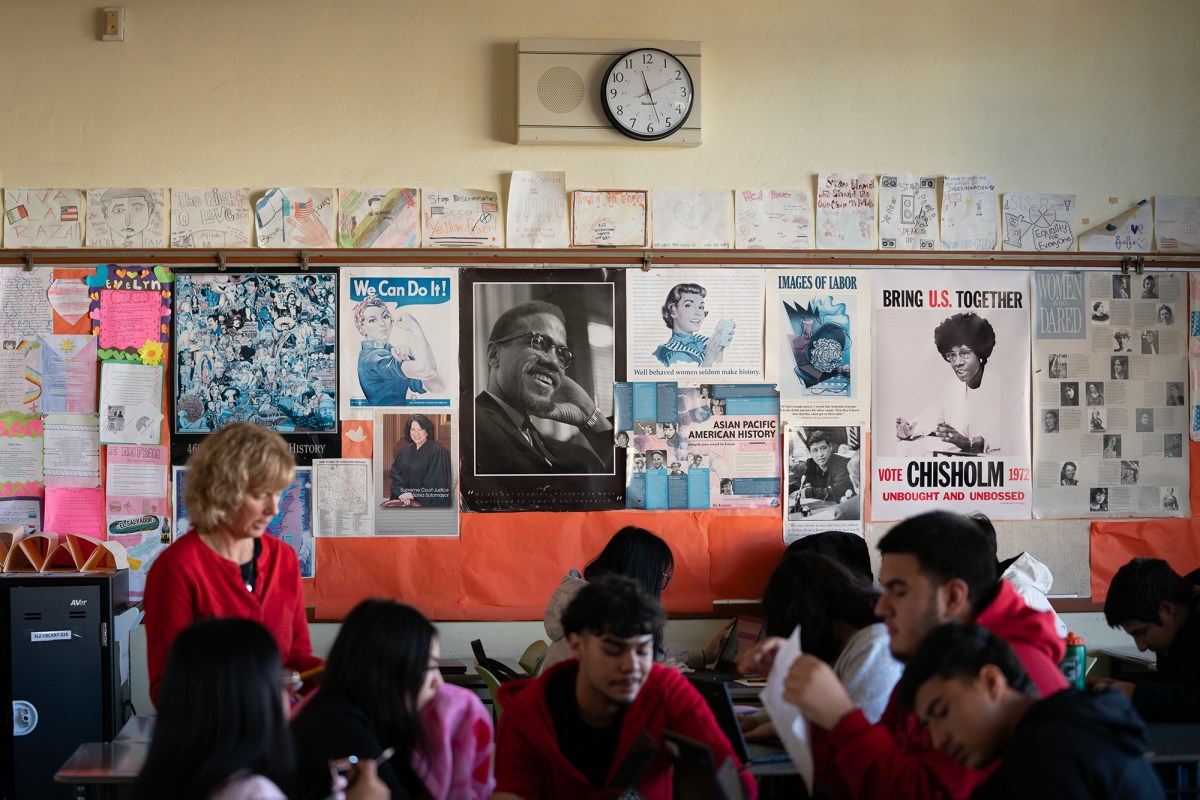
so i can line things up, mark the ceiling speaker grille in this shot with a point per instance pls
(560, 89)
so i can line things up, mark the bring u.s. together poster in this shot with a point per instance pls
(951, 394)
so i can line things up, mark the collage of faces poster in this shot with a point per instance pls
(539, 356)
(817, 352)
(951, 405)
(399, 368)
(1110, 394)
(711, 446)
(697, 326)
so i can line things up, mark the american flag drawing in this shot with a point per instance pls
(68, 213)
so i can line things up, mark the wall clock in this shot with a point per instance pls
(647, 94)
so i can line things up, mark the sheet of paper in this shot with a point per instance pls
(24, 307)
(379, 217)
(70, 299)
(460, 218)
(773, 219)
(537, 210)
(136, 480)
(75, 509)
(1039, 222)
(845, 211)
(908, 212)
(608, 218)
(21, 439)
(715, 324)
(1177, 223)
(1109, 395)
(1194, 353)
(692, 218)
(69, 370)
(296, 217)
(130, 399)
(20, 387)
(125, 218)
(342, 489)
(1128, 232)
(23, 511)
(790, 725)
(211, 217)
(72, 450)
(969, 212)
(43, 218)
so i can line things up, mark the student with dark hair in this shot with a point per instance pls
(972, 692)
(1031, 578)
(1161, 611)
(565, 733)
(381, 682)
(937, 567)
(635, 552)
(848, 549)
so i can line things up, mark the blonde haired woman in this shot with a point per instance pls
(227, 566)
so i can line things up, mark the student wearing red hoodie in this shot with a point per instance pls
(566, 733)
(937, 568)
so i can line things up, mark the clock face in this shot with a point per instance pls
(648, 94)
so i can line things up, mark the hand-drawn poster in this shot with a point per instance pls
(71, 449)
(1194, 353)
(130, 403)
(692, 218)
(379, 217)
(258, 348)
(399, 338)
(69, 370)
(608, 218)
(21, 439)
(137, 480)
(537, 209)
(773, 219)
(695, 325)
(458, 218)
(1128, 232)
(342, 496)
(415, 487)
(70, 300)
(824, 479)
(1039, 222)
(818, 343)
(951, 407)
(908, 212)
(293, 524)
(969, 212)
(43, 218)
(1110, 401)
(24, 308)
(144, 537)
(296, 218)
(1176, 223)
(75, 509)
(210, 218)
(539, 355)
(124, 218)
(713, 446)
(21, 376)
(845, 211)
(130, 312)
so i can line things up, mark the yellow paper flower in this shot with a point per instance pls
(151, 353)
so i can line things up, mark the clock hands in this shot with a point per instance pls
(653, 105)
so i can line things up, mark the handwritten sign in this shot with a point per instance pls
(845, 211)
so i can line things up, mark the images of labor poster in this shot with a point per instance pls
(1110, 395)
(698, 326)
(818, 327)
(712, 446)
(824, 478)
(398, 337)
(540, 352)
(951, 408)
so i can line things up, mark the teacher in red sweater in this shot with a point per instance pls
(228, 566)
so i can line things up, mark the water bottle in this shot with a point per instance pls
(1074, 663)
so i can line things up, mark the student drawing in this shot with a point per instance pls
(684, 313)
(125, 218)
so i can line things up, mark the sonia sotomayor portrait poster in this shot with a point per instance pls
(951, 406)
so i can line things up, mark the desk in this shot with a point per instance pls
(1128, 663)
(98, 769)
(1175, 754)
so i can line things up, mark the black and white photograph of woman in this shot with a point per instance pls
(1068, 394)
(1120, 368)
(1066, 476)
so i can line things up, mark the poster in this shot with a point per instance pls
(818, 328)
(130, 312)
(296, 218)
(130, 403)
(415, 487)
(399, 338)
(210, 218)
(969, 212)
(1039, 222)
(125, 218)
(951, 394)
(458, 218)
(539, 355)
(68, 374)
(692, 218)
(43, 218)
(773, 219)
(1176, 223)
(713, 446)
(537, 209)
(845, 211)
(256, 348)
(609, 218)
(342, 497)
(379, 217)
(824, 479)
(1110, 395)
(908, 212)
(695, 325)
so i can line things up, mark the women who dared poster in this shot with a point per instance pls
(951, 408)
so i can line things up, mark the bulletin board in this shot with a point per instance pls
(503, 566)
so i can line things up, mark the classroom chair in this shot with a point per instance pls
(531, 659)
(493, 686)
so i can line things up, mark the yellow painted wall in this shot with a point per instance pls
(1099, 98)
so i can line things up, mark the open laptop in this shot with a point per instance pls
(696, 774)
(716, 694)
(745, 633)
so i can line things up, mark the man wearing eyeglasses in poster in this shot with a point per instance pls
(528, 358)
